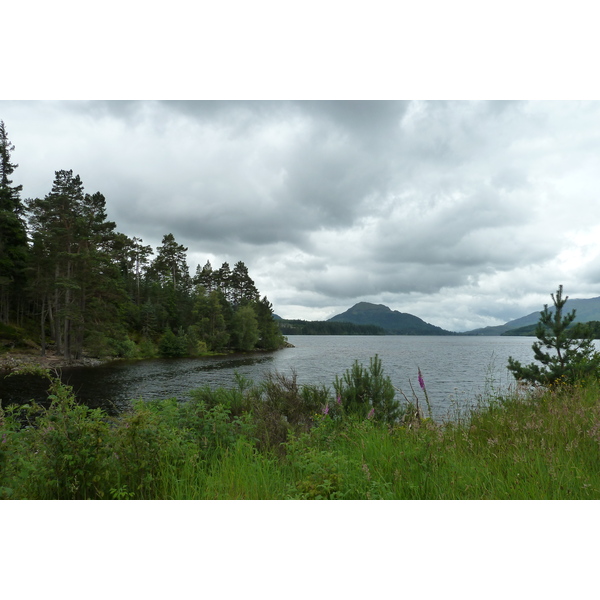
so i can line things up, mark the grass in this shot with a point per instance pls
(239, 444)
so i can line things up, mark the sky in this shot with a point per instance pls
(463, 213)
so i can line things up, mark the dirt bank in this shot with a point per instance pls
(11, 361)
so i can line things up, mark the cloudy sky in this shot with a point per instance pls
(465, 214)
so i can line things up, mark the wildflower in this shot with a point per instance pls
(371, 413)
(366, 471)
(326, 409)
(421, 382)
(339, 399)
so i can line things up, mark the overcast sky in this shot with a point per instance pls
(465, 214)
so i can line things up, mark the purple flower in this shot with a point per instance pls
(326, 409)
(421, 382)
(371, 413)
(339, 399)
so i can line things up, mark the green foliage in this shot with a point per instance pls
(572, 354)
(68, 456)
(300, 327)
(368, 392)
(244, 329)
(522, 446)
(173, 346)
(86, 288)
(13, 236)
(280, 405)
(319, 473)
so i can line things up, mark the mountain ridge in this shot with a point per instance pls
(392, 321)
(586, 309)
(397, 323)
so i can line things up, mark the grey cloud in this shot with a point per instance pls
(329, 202)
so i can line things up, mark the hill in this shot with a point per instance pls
(586, 309)
(392, 321)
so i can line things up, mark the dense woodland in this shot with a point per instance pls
(71, 282)
(590, 329)
(300, 327)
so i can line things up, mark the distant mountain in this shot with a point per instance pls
(586, 309)
(392, 321)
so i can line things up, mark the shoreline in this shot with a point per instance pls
(12, 361)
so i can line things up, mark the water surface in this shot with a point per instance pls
(456, 369)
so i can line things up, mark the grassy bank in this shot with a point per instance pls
(277, 441)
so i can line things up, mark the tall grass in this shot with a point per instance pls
(258, 442)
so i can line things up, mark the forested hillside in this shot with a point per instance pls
(70, 281)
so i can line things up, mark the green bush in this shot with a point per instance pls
(62, 451)
(368, 393)
(172, 346)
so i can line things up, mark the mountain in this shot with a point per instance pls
(392, 321)
(586, 309)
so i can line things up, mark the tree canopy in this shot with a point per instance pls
(75, 284)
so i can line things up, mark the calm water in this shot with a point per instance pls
(455, 369)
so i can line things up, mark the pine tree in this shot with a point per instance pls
(570, 358)
(77, 279)
(205, 277)
(170, 264)
(270, 334)
(13, 236)
(242, 286)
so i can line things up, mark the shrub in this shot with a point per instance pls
(172, 346)
(63, 450)
(368, 392)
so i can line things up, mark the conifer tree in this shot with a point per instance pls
(571, 357)
(205, 277)
(77, 279)
(13, 236)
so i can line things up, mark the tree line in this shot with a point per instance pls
(301, 327)
(67, 274)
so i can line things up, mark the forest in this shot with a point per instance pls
(71, 283)
(300, 327)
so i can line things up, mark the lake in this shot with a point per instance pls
(456, 370)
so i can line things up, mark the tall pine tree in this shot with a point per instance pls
(13, 236)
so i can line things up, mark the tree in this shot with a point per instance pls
(77, 282)
(53, 221)
(242, 286)
(368, 393)
(13, 236)
(571, 357)
(222, 278)
(209, 313)
(244, 329)
(170, 263)
(205, 277)
(271, 337)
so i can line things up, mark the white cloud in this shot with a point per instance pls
(463, 213)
